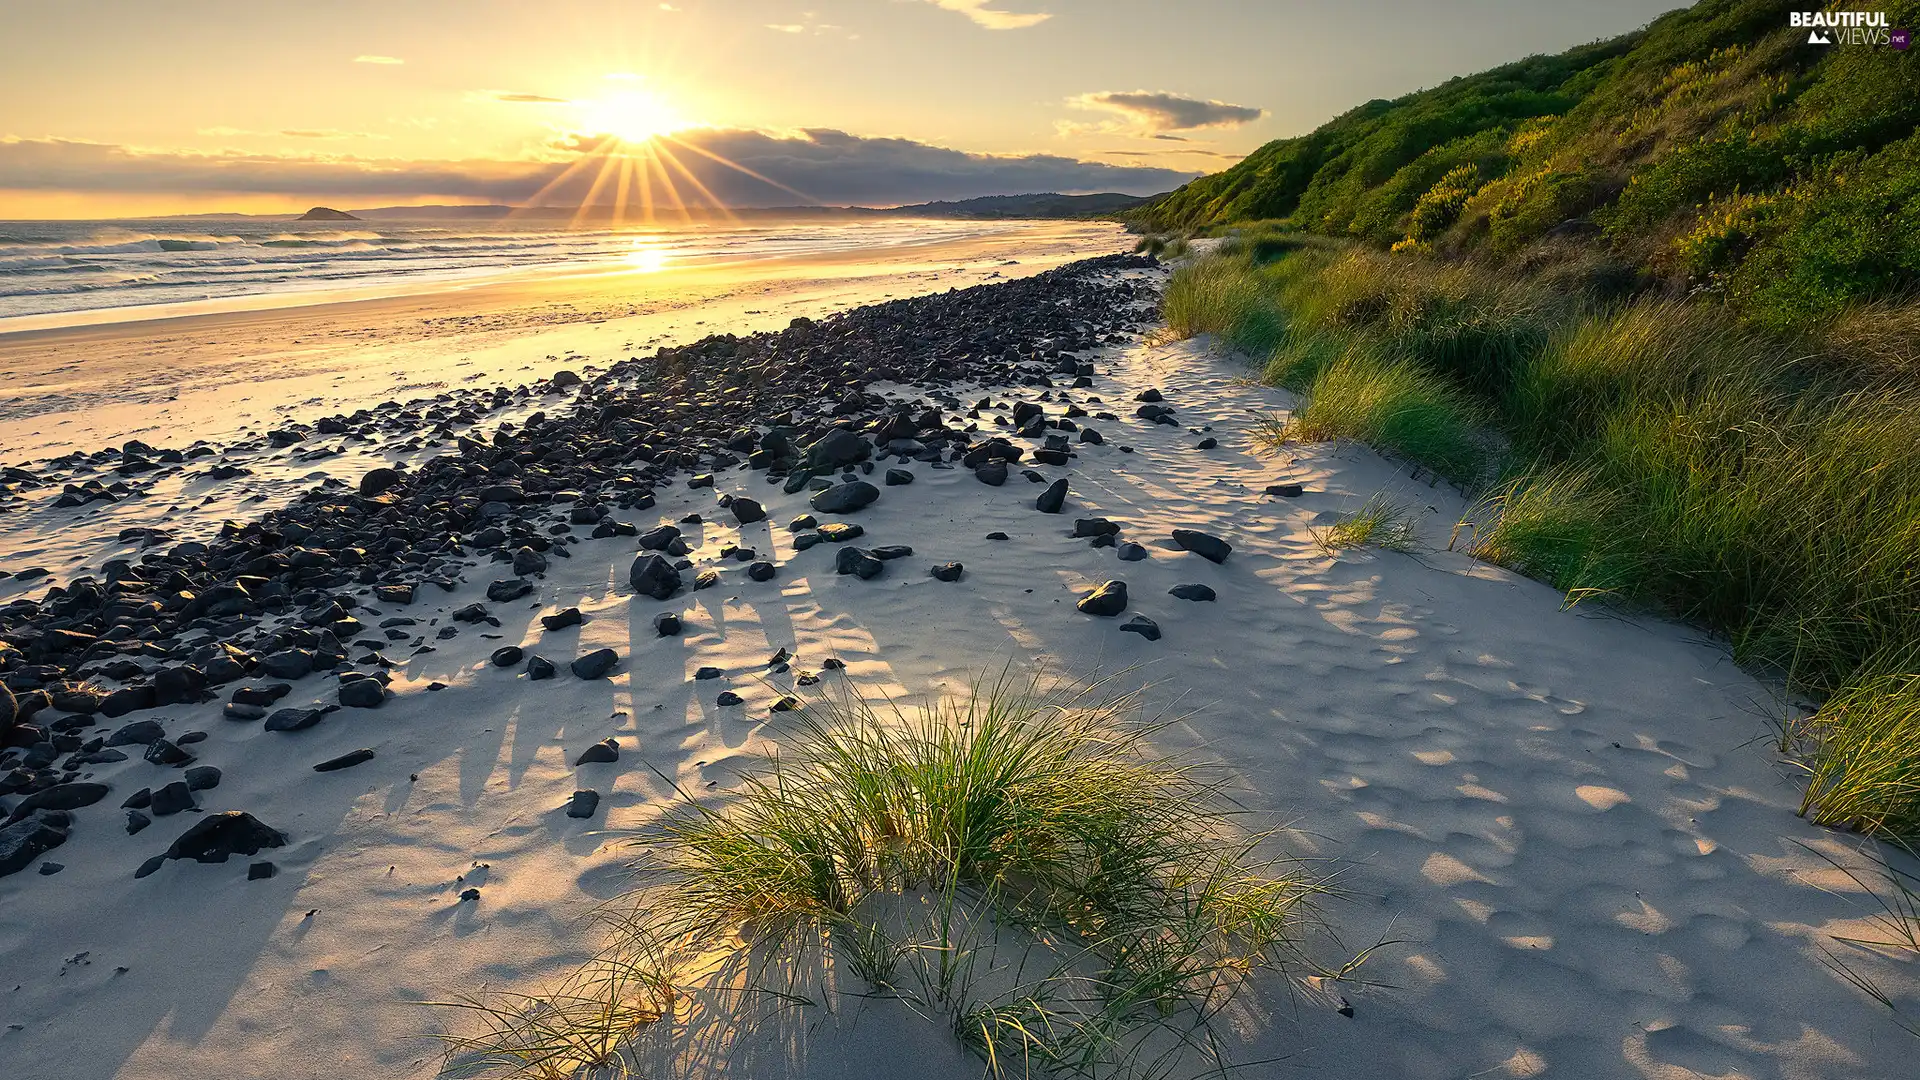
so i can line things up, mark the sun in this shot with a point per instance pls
(632, 116)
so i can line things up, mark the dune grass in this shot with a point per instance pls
(1380, 522)
(1760, 483)
(1018, 864)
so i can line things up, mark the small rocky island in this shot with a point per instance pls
(326, 213)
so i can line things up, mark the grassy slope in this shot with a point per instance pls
(1714, 147)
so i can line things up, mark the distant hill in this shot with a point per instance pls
(1716, 147)
(326, 213)
(1043, 205)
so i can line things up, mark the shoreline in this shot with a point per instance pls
(1541, 806)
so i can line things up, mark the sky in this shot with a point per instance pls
(132, 107)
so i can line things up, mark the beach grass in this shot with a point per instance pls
(1019, 863)
(1671, 454)
(1379, 523)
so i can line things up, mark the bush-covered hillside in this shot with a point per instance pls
(1714, 148)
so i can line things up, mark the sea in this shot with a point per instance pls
(49, 268)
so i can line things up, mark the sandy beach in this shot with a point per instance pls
(1567, 825)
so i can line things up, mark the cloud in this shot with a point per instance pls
(532, 99)
(980, 12)
(668, 7)
(828, 166)
(325, 133)
(1159, 111)
(378, 60)
(787, 28)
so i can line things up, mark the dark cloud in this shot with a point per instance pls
(820, 165)
(1160, 111)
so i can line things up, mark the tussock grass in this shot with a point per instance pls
(1864, 759)
(1380, 522)
(1018, 863)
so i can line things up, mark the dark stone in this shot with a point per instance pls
(997, 535)
(1191, 592)
(761, 571)
(70, 796)
(261, 871)
(726, 698)
(992, 473)
(1052, 499)
(507, 655)
(601, 753)
(1205, 545)
(508, 589)
(137, 821)
(747, 511)
(947, 571)
(837, 532)
(659, 539)
(345, 761)
(889, 552)
(899, 477)
(667, 624)
(30, 836)
(1149, 394)
(1109, 599)
(858, 562)
(595, 664)
(375, 481)
(236, 832)
(1286, 491)
(1207, 443)
(172, 799)
(261, 695)
(293, 719)
(528, 561)
(140, 732)
(287, 664)
(539, 667)
(654, 576)
(1084, 527)
(1143, 626)
(583, 804)
(561, 619)
(708, 672)
(1132, 552)
(365, 693)
(844, 498)
(836, 448)
(202, 778)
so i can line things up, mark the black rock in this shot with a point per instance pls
(507, 655)
(761, 571)
(561, 619)
(140, 732)
(172, 799)
(1084, 527)
(1091, 436)
(1207, 443)
(836, 448)
(583, 804)
(293, 719)
(375, 481)
(69, 796)
(666, 624)
(261, 695)
(746, 511)
(600, 753)
(526, 561)
(595, 664)
(137, 821)
(365, 693)
(1143, 626)
(992, 473)
(659, 539)
(653, 576)
(890, 552)
(839, 532)
(261, 871)
(1286, 491)
(287, 664)
(539, 667)
(1149, 394)
(1109, 599)
(508, 589)
(705, 673)
(345, 761)
(898, 477)
(997, 535)
(727, 697)
(1205, 545)
(235, 832)
(844, 498)
(858, 562)
(947, 571)
(1052, 499)
(1191, 592)
(202, 778)
(30, 836)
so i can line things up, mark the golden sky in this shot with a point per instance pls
(129, 107)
